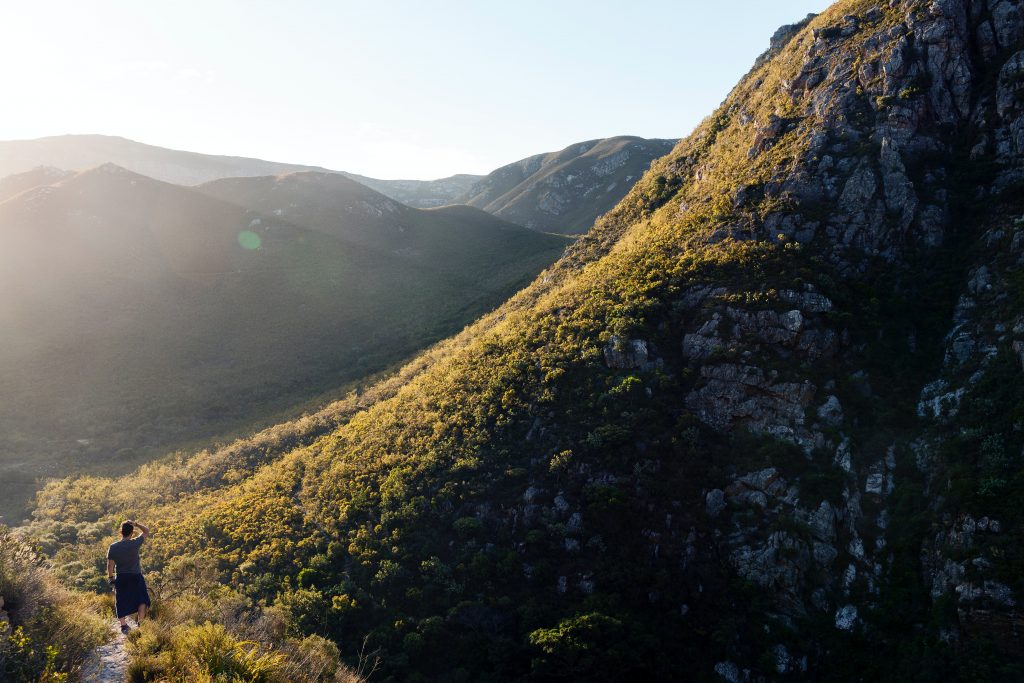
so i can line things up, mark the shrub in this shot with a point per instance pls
(52, 629)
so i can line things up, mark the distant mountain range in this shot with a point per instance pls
(553, 192)
(566, 191)
(423, 194)
(82, 152)
(140, 314)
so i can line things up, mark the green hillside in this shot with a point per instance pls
(761, 422)
(142, 316)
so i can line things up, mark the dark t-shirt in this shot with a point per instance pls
(125, 554)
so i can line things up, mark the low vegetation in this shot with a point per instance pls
(213, 634)
(46, 631)
(526, 502)
(157, 344)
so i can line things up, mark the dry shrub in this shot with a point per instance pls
(52, 630)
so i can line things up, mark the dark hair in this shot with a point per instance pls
(127, 528)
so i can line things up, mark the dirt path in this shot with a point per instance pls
(109, 662)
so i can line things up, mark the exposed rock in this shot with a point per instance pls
(777, 563)
(846, 618)
(809, 302)
(627, 354)
(824, 554)
(831, 412)
(936, 402)
(729, 672)
(743, 394)
(823, 522)
(880, 477)
(715, 502)
(705, 342)
(782, 658)
(843, 458)
(989, 591)
(531, 494)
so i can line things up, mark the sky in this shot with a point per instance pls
(386, 88)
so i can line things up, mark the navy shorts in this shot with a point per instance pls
(130, 592)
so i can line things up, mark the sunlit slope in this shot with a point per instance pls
(694, 446)
(138, 315)
(565, 191)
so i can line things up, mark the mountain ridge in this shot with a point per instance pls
(760, 423)
(532, 191)
(563, 192)
(125, 283)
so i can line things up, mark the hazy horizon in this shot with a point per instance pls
(488, 85)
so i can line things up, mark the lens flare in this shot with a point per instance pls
(249, 240)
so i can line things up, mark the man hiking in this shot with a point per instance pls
(130, 594)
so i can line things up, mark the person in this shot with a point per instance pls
(129, 585)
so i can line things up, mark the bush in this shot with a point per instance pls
(52, 630)
(247, 643)
(585, 647)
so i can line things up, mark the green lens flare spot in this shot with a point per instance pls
(249, 240)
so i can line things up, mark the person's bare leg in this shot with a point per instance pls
(123, 620)
(142, 613)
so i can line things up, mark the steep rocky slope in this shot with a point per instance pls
(762, 422)
(565, 191)
(139, 315)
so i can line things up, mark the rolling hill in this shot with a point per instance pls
(138, 315)
(446, 239)
(422, 194)
(566, 191)
(19, 182)
(559, 192)
(82, 152)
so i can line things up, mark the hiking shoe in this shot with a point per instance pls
(124, 629)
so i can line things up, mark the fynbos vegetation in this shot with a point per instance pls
(762, 422)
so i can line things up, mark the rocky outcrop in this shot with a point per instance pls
(874, 184)
(626, 354)
(745, 394)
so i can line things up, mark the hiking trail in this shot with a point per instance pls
(109, 662)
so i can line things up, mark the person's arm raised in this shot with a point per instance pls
(143, 529)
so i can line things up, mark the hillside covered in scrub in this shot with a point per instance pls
(761, 423)
(141, 317)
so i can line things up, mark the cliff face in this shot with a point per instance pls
(762, 422)
(903, 125)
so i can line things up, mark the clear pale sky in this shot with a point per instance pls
(391, 88)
